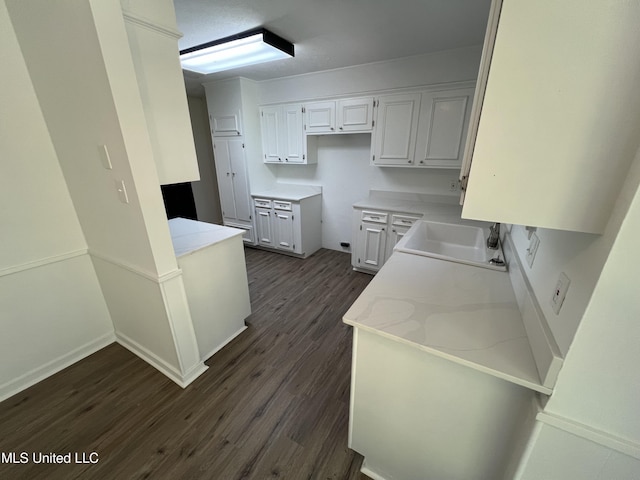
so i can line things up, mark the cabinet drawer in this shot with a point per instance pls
(262, 202)
(375, 217)
(403, 220)
(280, 205)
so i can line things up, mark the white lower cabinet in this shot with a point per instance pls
(376, 233)
(289, 226)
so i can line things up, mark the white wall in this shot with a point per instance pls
(581, 256)
(52, 312)
(87, 89)
(590, 427)
(205, 191)
(343, 168)
(449, 66)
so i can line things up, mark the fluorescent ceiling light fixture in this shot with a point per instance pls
(247, 48)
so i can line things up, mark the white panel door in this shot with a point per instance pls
(444, 120)
(271, 120)
(397, 126)
(283, 229)
(263, 227)
(355, 114)
(225, 181)
(371, 245)
(320, 117)
(292, 136)
(226, 125)
(395, 235)
(240, 180)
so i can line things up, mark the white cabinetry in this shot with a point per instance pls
(442, 128)
(350, 115)
(226, 125)
(422, 129)
(396, 129)
(289, 226)
(283, 139)
(233, 184)
(558, 128)
(376, 233)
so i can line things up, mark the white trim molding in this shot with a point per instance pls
(150, 25)
(183, 380)
(606, 439)
(154, 277)
(43, 261)
(40, 373)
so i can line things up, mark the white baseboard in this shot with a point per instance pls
(54, 366)
(219, 347)
(366, 469)
(159, 364)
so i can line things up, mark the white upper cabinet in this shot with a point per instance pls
(355, 114)
(283, 138)
(320, 117)
(396, 129)
(559, 120)
(347, 115)
(226, 125)
(442, 128)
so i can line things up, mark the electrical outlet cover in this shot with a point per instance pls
(560, 292)
(533, 249)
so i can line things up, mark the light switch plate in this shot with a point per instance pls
(533, 249)
(560, 292)
(104, 157)
(122, 191)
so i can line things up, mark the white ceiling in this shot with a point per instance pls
(333, 33)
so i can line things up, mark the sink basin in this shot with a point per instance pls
(453, 242)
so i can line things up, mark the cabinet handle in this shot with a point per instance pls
(227, 174)
(233, 174)
(279, 159)
(332, 129)
(286, 159)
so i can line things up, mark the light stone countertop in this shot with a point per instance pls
(284, 191)
(189, 236)
(466, 314)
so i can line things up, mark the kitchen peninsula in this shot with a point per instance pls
(444, 382)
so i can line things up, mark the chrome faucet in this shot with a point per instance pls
(494, 236)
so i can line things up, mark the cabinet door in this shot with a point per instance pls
(271, 121)
(292, 136)
(397, 126)
(355, 114)
(283, 230)
(320, 117)
(264, 227)
(395, 235)
(226, 125)
(371, 245)
(240, 180)
(225, 181)
(443, 124)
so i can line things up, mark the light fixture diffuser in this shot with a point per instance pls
(247, 48)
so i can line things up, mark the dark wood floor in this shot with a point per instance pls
(273, 404)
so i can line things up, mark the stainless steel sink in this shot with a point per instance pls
(453, 242)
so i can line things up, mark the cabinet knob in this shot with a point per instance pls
(279, 159)
(340, 128)
(332, 128)
(286, 159)
(421, 161)
(227, 174)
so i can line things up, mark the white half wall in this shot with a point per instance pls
(52, 312)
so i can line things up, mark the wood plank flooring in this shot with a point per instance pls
(273, 404)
